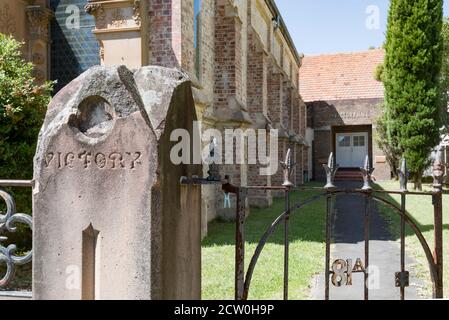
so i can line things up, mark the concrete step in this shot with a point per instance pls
(348, 176)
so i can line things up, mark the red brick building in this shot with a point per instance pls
(239, 55)
(243, 65)
(344, 100)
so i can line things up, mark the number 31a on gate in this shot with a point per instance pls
(342, 271)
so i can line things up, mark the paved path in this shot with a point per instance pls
(348, 243)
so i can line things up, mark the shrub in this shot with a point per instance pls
(22, 109)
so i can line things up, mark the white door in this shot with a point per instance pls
(344, 152)
(352, 149)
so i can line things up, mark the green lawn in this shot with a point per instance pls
(307, 251)
(421, 209)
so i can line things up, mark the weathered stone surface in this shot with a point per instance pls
(111, 220)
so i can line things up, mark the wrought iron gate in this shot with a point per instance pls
(341, 271)
(8, 223)
(328, 192)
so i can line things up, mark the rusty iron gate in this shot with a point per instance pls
(341, 271)
(10, 218)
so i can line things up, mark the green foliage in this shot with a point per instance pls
(307, 249)
(393, 155)
(22, 109)
(420, 209)
(379, 73)
(411, 78)
(444, 76)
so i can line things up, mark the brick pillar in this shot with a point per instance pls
(278, 178)
(274, 100)
(257, 107)
(274, 94)
(228, 62)
(302, 131)
(230, 84)
(296, 116)
(164, 33)
(286, 103)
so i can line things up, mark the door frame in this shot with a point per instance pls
(353, 129)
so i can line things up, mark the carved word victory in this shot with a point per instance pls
(87, 160)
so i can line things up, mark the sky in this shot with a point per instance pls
(330, 26)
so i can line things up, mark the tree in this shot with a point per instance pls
(22, 108)
(444, 77)
(393, 155)
(411, 78)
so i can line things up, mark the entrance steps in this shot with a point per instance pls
(348, 175)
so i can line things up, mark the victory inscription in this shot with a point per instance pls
(87, 159)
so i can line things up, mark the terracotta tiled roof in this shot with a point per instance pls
(341, 76)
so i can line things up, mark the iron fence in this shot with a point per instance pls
(341, 271)
(329, 192)
(8, 223)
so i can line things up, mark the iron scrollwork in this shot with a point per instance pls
(8, 223)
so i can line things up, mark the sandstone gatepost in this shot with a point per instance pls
(111, 219)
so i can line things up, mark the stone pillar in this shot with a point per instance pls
(38, 42)
(28, 22)
(111, 220)
(120, 26)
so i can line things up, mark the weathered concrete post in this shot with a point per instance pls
(111, 220)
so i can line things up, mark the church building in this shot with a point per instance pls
(239, 55)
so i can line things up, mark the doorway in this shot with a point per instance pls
(351, 149)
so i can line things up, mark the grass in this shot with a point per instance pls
(307, 248)
(420, 208)
(22, 278)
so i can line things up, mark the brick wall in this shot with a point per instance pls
(257, 72)
(323, 116)
(164, 33)
(274, 97)
(238, 78)
(286, 103)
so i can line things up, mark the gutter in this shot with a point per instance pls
(277, 16)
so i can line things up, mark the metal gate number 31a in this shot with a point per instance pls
(342, 271)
